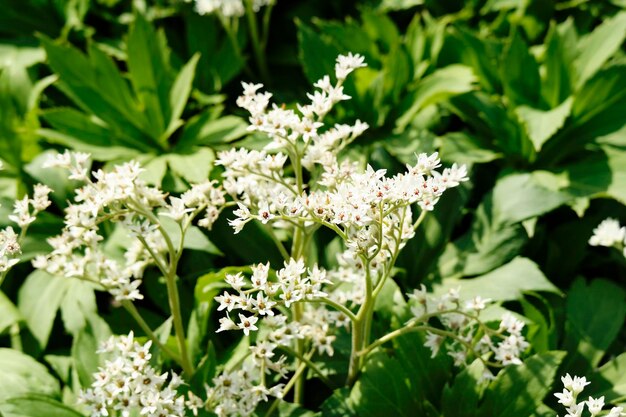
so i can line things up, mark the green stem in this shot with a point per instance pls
(277, 242)
(298, 394)
(232, 37)
(310, 364)
(345, 310)
(132, 310)
(296, 376)
(257, 45)
(172, 288)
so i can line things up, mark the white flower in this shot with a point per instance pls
(566, 398)
(576, 384)
(595, 405)
(433, 342)
(615, 412)
(477, 303)
(247, 324)
(348, 63)
(608, 233)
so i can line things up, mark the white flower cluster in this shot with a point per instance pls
(10, 247)
(285, 127)
(466, 333)
(572, 388)
(234, 393)
(371, 211)
(228, 8)
(22, 214)
(128, 384)
(609, 233)
(294, 283)
(119, 196)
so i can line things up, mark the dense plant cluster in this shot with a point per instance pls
(435, 228)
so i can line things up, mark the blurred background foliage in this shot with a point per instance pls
(531, 94)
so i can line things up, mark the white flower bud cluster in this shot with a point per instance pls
(572, 388)
(609, 233)
(293, 284)
(127, 384)
(228, 8)
(465, 333)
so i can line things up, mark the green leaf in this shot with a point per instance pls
(338, 404)
(464, 148)
(39, 299)
(502, 284)
(87, 341)
(180, 92)
(219, 61)
(390, 302)
(480, 54)
(440, 85)
(9, 314)
(520, 73)
(316, 54)
(426, 375)
(95, 84)
(598, 46)
(518, 197)
(597, 174)
(204, 129)
(85, 128)
(541, 125)
(36, 406)
(383, 389)
(558, 63)
(21, 374)
(150, 73)
(387, 5)
(194, 167)
(79, 303)
(610, 381)
(461, 397)
(519, 390)
(595, 316)
(210, 285)
(195, 239)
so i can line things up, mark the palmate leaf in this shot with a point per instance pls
(520, 73)
(42, 296)
(94, 83)
(560, 44)
(150, 73)
(142, 117)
